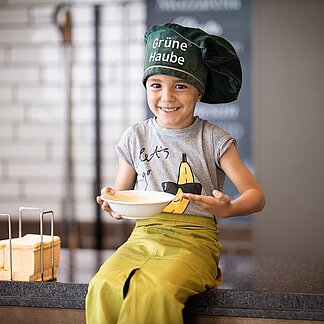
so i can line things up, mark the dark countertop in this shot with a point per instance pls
(252, 287)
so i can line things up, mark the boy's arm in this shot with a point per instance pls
(126, 176)
(125, 179)
(251, 197)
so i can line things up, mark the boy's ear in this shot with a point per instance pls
(199, 96)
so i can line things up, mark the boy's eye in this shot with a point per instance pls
(181, 86)
(155, 85)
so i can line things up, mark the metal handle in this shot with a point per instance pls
(21, 209)
(10, 243)
(41, 216)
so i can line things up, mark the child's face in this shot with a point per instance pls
(171, 100)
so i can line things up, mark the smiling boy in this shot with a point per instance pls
(175, 255)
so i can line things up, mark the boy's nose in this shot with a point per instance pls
(167, 95)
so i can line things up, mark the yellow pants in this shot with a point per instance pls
(166, 260)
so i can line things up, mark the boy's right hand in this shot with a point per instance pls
(104, 205)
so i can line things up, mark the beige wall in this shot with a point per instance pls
(289, 125)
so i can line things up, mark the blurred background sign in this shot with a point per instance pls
(230, 19)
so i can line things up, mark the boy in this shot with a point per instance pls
(174, 255)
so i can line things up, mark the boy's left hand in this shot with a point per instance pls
(219, 204)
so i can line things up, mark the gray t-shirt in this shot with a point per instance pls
(168, 159)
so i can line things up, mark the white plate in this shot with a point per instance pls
(136, 204)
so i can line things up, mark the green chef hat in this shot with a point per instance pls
(208, 62)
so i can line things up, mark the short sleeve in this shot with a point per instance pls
(222, 145)
(124, 145)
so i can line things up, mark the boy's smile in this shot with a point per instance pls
(172, 100)
(169, 110)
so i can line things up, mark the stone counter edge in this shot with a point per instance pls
(215, 302)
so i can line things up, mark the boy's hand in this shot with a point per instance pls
(104, 205)
(219, 204)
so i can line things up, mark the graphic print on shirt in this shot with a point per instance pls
(159, 152)
(144, 175)
(185, 184)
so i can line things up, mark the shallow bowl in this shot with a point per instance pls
(135, 204)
